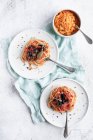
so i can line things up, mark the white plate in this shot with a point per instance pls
(15, 50)
(79, 111)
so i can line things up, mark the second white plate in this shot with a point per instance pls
(15, 50)
(79, 111)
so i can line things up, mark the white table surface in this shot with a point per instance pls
(15, 16)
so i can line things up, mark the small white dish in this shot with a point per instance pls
(59, 32)
(15, 50)
(76, 115)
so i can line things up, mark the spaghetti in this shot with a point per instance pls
(35, 52)
(62, 99)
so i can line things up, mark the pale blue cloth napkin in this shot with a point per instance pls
(30, 90)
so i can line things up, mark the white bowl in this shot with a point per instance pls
(55, 29)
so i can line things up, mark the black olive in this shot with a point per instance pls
(62, 101)
(42, 46)
(66, 100)
(55, 100)
(62, 96)
(29, 54)
(39, 49)
(29, 47)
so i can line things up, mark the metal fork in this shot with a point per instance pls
(66, 68)
(66, 126)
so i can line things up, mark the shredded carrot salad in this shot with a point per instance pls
(66, 21)
(62, 99)
(35, 52)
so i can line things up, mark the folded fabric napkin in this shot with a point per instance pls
(30, 90)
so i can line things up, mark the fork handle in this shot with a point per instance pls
(66, 127)
(88, 39)
(66, 68)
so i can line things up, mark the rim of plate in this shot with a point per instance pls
(30, 29)
(70, 79)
